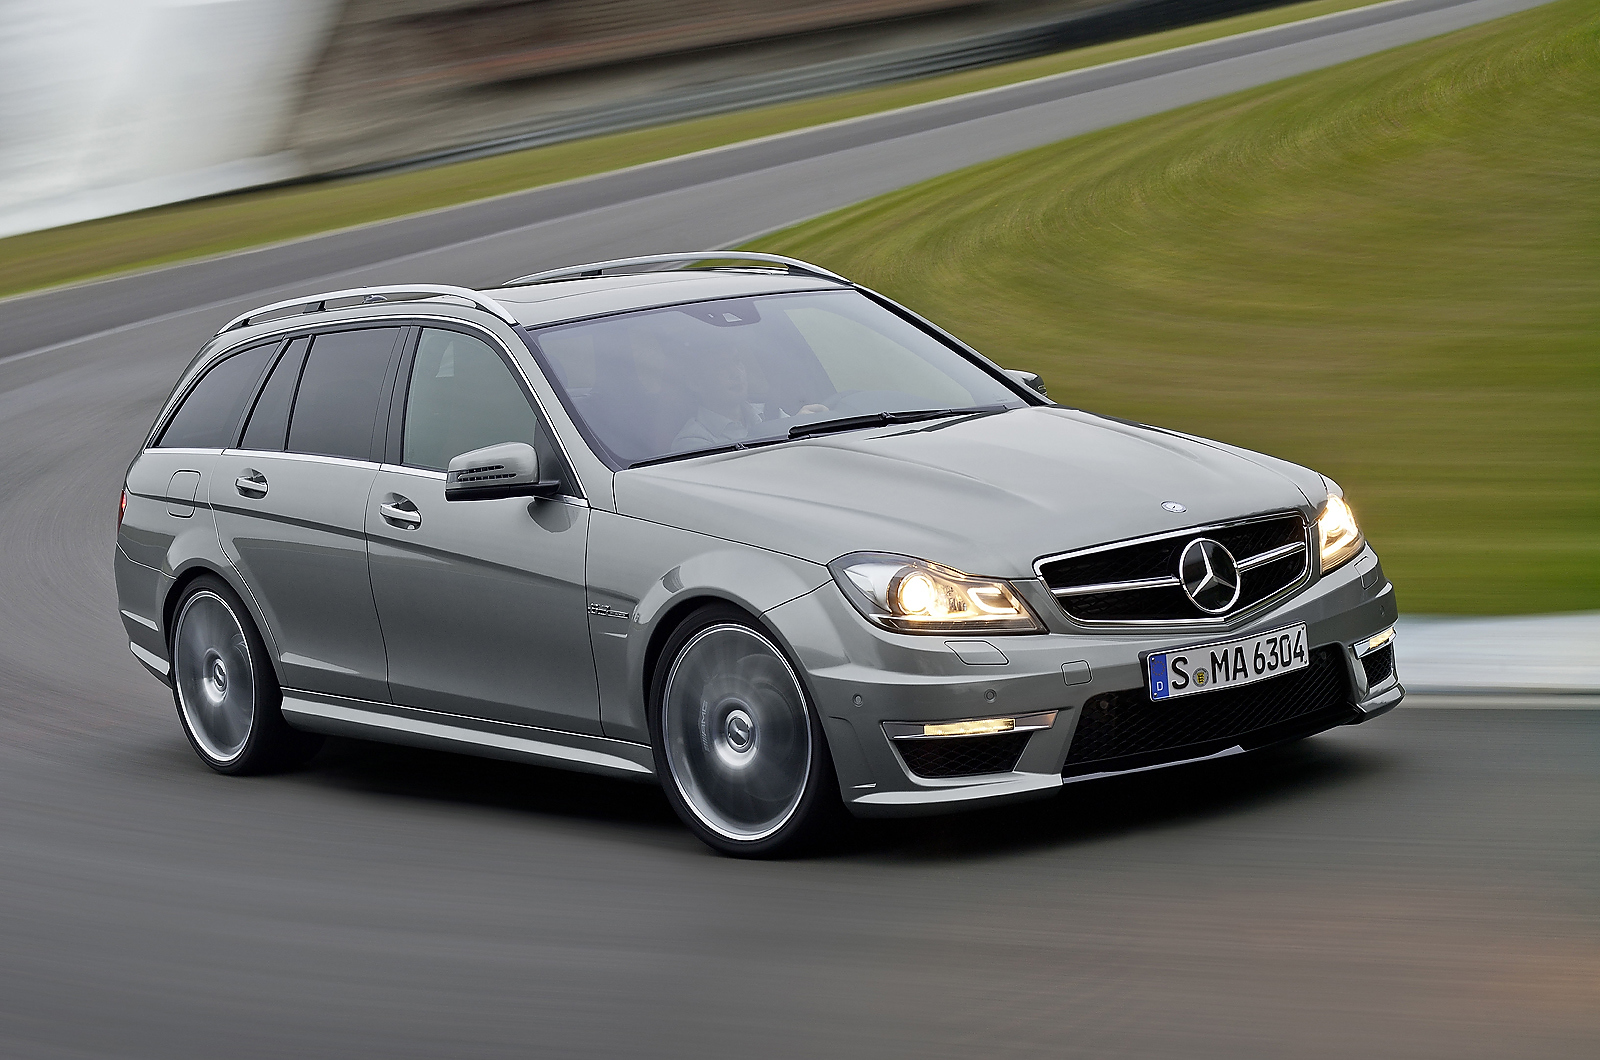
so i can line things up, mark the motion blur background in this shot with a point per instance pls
(112, 105)
(1362, 236)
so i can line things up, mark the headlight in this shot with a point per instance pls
(1338, 533)
(913, 596)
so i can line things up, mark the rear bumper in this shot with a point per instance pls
(140, 590)
(868, 684)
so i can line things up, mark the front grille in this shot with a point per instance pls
(1115, 566)
(1379, 665)
(1126, 730)
(963, 756)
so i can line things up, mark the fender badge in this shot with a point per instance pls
(1174, 507)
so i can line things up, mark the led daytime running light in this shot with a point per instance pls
(970, 728)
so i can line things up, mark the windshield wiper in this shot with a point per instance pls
(710, 450)
(843, 423)
(881, 419)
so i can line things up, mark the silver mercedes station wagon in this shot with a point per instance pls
(731, 523)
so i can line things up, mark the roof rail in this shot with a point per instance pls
(576, 272)
(318, 303)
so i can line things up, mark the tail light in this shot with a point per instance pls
(122, 509)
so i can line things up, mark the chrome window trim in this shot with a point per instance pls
(1209, 622)
(312, 458)
(183, 450)
(415, 472)
(294, 327)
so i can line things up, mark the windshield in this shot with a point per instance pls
(745, 371)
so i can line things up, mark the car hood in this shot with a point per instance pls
(986, 495)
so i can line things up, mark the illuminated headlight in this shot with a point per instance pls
(1338, 533)
(914, 596)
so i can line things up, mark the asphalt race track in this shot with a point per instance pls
(1425, 885)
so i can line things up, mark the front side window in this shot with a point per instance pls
(210, 414)
(336, 404)
(461, 397)
(653, 384)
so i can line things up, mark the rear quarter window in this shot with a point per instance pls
(209, 416)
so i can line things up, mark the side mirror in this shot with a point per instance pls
(510, 469)
(1029, 380)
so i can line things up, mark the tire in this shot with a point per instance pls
(738, 746)
(224, 686)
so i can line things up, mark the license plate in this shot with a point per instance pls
(1228, 663)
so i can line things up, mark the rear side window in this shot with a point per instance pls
(269, 421)
(337, 401)
(210, 414)
(461, 397)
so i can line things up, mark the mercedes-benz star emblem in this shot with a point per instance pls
(741, 730)
(1209, 575)
(1174, 507)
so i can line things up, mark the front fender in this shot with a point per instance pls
(644, 576)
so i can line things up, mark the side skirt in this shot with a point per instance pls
(391, 723)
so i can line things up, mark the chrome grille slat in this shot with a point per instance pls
(1117, 587)
(1262, 558)
(1135, 584)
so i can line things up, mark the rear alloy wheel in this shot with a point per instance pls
(226, 693)
(738, 747)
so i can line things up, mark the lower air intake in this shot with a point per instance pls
(1126, 730)
(1379, 665)
(963, 756)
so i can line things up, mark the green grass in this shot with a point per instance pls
(234, 222)
(1388, 270)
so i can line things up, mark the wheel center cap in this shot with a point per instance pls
(739, 729)
(218, 675)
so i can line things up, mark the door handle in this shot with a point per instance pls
(251, 484)
(407, 517)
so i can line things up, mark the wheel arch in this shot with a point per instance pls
(679, 611)
(194, 571)
(674, 616)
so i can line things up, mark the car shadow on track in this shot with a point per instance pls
(390, 769)
(1096, 810)
(1081, 813)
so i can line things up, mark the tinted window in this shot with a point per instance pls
(337, 402)
(269, 421)
(208, 416)
(694, 377)
(462, 397)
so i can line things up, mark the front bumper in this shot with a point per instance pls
(863, 679)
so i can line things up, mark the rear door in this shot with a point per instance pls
(290, 502)
(482, 602)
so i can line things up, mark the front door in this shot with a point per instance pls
(290, 503)
(482, 602)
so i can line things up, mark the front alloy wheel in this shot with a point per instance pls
(738, 747)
